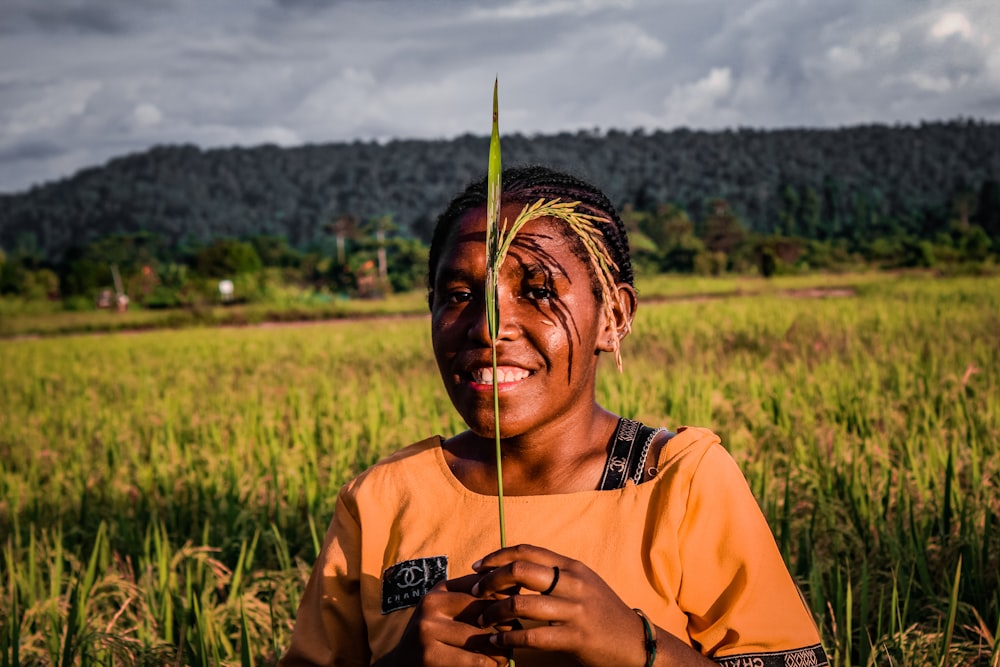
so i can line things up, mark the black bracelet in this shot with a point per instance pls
(650, 638)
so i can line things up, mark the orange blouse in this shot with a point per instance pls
(690, 547)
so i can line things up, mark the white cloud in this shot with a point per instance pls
(48, 107)
(930, 83)
(952, 23)
(844, 59)
(81, 83)
(530, 10)
(146, 115)
(718, 83)
(687, 104)
(636, 42)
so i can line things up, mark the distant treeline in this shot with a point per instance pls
(856, 183)
(695, 200)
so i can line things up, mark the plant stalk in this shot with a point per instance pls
(492, 297)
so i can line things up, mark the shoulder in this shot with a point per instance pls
(397, 471)
(688, 446)
(695, 457)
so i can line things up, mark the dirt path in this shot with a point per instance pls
(810, 293)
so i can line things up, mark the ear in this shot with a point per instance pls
(618, 318)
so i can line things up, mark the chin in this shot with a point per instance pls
(477, 413)
(483, 425)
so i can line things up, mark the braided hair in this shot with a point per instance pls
(526, 185)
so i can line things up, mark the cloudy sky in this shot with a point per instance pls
(82, 81)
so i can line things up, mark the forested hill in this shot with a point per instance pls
(853, 181)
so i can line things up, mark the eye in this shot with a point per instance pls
(459, 296)
(540, 293)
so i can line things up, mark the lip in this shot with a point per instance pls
(509, 376)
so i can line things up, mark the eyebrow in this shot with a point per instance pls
(533, 269)
(448, 274)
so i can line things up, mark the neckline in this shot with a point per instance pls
(456, 484)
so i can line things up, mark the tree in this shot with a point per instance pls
(810, 216)
(668, 227)
(227, 258)
(963, 205)
(683, 257)
(343, 228)
(274, 251)
(407, 265)
(975, 243)
(789, 213)
(987, 214)
(723, 230)
(383, 224)
(82, 275)
(12, 276)
(644, 251)
(377, 230)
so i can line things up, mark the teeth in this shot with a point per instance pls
(504, 375)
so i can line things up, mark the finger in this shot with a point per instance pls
(460, 607)
(481, 645)
(542, 638)
(523, 574)
(442, 640)
(479, 651)
(519, 552)
(507, 613)
(462, 584)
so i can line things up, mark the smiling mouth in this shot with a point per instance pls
(504, 375)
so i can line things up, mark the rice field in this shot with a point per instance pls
(163, 494)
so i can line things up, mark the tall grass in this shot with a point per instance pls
(163, 495)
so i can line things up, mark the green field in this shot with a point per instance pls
(162, 494)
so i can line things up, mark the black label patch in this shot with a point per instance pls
(812, 656)
(405, 583)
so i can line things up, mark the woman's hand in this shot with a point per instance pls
(581, 615)
(444, 630)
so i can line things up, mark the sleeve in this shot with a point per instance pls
(330, 626)
(742, 605)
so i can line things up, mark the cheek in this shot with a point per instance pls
(446, 335)
(574, 323)
(556, 339)
(440, 344)
(559, 342)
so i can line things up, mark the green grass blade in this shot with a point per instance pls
(493, 261)
(952, 613)
(246, 656)
(317, 542)
(10, 643)
(493, 186)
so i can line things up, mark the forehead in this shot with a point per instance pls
(542, 241)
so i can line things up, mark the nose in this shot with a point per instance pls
(479, 329)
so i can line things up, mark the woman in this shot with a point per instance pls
(634, 546)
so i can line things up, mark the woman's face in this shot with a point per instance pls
(551, 326)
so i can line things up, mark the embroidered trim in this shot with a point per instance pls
(627, 458)
(616, 468)
(812, 656)
(640, 469)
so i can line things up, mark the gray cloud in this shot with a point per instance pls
(30, 150)
(67, 19)
(82, 82)
(62, 18)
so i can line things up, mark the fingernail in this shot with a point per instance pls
(479, 621)
(495, 639)
(477, 564)
(475, 588)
